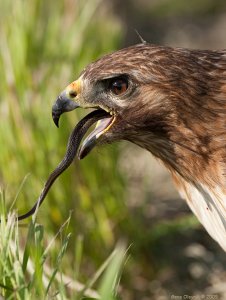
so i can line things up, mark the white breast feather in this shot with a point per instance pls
(209, 207)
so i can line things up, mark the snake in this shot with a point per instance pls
(74, 141)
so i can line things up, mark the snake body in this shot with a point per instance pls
(72, 148)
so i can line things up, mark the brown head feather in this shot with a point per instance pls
(179, 109)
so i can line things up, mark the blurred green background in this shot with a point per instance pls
(119, 191)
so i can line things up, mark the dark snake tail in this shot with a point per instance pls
(72, 147)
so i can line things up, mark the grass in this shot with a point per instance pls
(31, 268)
(44, 45)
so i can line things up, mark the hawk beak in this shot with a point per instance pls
(64, 102)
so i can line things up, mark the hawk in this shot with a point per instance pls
(171, 102)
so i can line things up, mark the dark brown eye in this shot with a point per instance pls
(119, 86)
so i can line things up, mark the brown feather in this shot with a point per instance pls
(177, 111)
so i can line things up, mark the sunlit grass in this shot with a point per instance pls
(31, 266)
(44, 46)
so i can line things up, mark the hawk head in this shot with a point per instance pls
(170, 101)
(129, 86)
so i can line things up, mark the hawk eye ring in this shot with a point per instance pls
(119, 86)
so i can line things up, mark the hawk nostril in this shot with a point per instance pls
(72, 94)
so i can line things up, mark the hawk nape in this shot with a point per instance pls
(172, 102)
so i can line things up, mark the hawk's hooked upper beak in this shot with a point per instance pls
(70, 99)
(65, 102)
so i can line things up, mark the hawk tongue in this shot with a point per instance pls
(91, 140)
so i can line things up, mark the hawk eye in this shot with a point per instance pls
(119, 86)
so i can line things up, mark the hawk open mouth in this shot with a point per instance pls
(102, 126)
